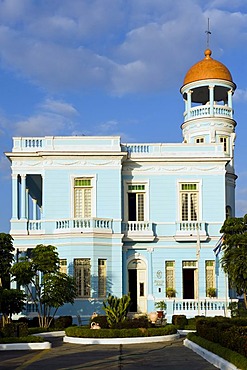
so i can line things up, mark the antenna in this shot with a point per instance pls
(208, 32)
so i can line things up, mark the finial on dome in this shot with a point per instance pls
(207, 53)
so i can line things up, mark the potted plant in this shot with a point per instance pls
(170, 292)
(161, 307)
(211, 292)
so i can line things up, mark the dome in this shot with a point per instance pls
(208, 68)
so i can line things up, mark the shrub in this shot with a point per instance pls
(227, 332)
(63, 322)
(179, 321)
(135, 323)
(15, 330)
(116, 309)
(27, 339)
(81, 332)
(238, 360)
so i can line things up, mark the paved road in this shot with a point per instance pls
(66, 356)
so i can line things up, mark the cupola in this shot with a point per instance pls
(207, 91)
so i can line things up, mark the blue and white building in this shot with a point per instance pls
(136, 218)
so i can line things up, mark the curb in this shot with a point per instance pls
(133, 340)
(215, 360)
(24, 346)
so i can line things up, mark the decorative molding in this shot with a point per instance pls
(169, 169)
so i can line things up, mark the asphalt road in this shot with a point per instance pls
(66, 356)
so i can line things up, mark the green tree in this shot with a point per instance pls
(11, 301)
(52, 289)
(234, 260)
(6, 259)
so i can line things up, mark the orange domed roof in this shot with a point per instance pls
(206, 69)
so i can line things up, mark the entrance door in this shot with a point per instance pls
(188, 283)
(137, 285)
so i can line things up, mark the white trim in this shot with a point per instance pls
(93, 177)
(146, 193)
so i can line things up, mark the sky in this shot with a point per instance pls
(112, 67)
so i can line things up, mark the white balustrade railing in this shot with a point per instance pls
(190, 226)
(192, 307)
(136, 226)
(63, 225)
(137, 148)
(34, 225)
(204, 110)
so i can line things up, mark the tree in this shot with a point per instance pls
(52, 289)
(11, 301)
(6, 259)
(234, 260)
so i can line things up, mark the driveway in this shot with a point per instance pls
(65, 356)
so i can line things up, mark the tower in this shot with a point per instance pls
(207, 91)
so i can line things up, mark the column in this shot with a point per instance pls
(150, 273)
(34, 209)
(27, 204)
(14, 196)
(23, 196)
(211, 99)
(229, 93)
(189, 94)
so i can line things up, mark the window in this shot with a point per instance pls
(82, 273)
(82, 197)
(199, 140)
(136, 198)
(102, 278)
(210, 274)
(170, 274)
(224, 141)
(189, 201)
(63, 265)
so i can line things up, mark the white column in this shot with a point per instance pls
(211, 99)
(229, 93)
(150, 273)
(14, 196)
(23, 196)
(27, 203)
(34, 209)
(189, 93)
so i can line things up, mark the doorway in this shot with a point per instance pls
(137, 285)
(189, 283)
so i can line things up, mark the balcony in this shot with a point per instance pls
(191, 231)
(73, 225)
(138, 231)
(204, 111)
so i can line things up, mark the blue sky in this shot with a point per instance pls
(112, 67)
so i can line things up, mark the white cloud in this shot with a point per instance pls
(240, 95)
(59, 107)
(52, 118)
(120, 46)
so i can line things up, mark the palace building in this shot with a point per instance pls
(142, 218)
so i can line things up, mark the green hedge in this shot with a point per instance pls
(82, 332)
(27, 339)
(180, 321)
(230, 333)
(129, 323)
(14, 330)
(235, 358)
